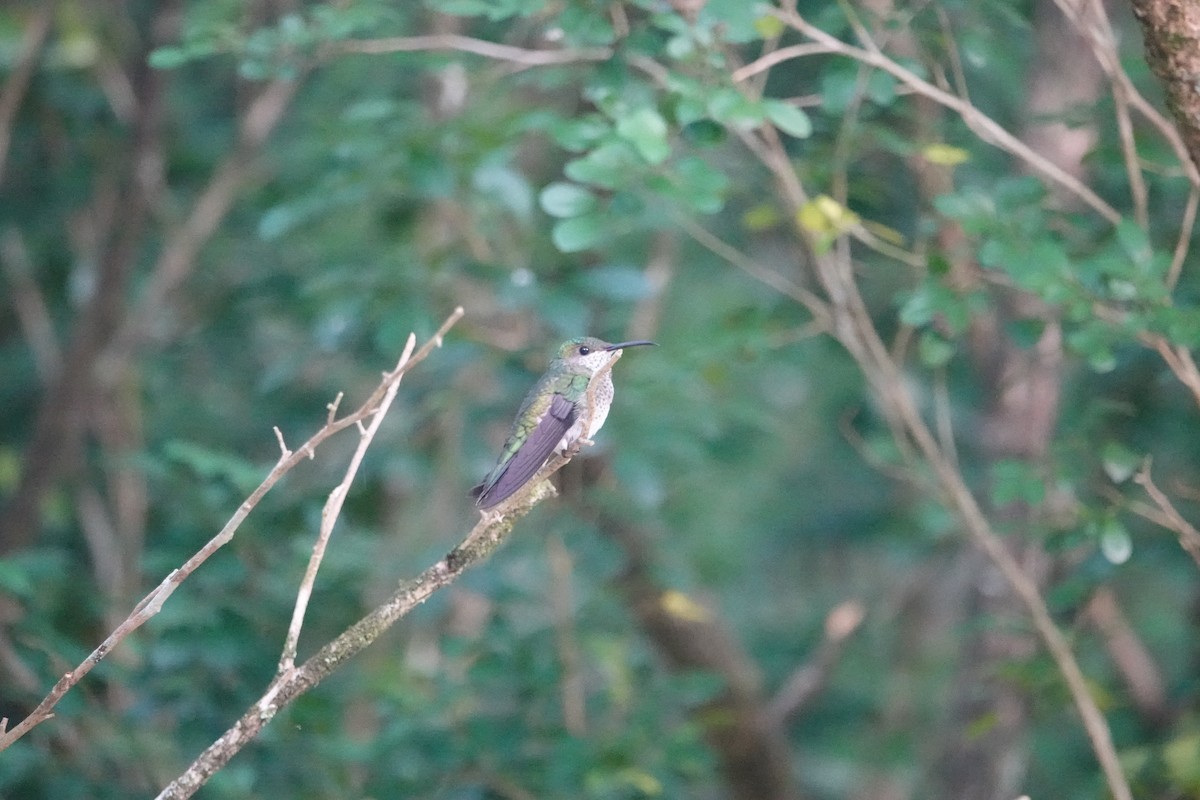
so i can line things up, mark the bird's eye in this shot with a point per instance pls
(584, 350)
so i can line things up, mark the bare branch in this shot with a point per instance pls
(30, 306)
(492, 529)
(1189, 537)
(152, 603)
(465, 44)
(333, 506)
(178, 256)
(18, 79)
(1132, 658)
(807, 681)
(1171, 30)
(1184, 241)
(780, 283)
(984, 126)
(854, 329)
(283, 448)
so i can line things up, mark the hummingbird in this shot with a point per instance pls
(553, 415)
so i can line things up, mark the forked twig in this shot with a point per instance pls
(1189, 537)
(333, 505)
(152, 603)
(986, 128)
(493, 528)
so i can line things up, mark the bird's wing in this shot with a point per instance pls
(533, 453)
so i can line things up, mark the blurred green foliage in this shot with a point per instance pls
(746, 448)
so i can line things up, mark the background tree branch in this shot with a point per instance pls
(1171, 32)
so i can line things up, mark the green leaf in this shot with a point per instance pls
(1015, 193)
(1016, 481)
(1119, 462)
(1181, 325)
(703, 132)
(974, 210)
(15, 580)
(933, 350)
(168, 57)
(607, 166)
(1115, 541)
(768, 27)
(580, 133)
(566, 200)
(690, 107)
(582, 25)
(703, 187)
(788, 118)
(730, 107)
(881, 88)
(1135, 242)
(838, 89)
(494, 10)
(646, 130)
(578, 233)
(919, 308)
(1094, 343)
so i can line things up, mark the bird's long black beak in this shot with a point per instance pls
(638, 343)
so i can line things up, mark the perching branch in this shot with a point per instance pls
(492, 529)
(152, 603)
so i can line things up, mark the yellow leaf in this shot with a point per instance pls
(810, 218)
(678, 604)
(1180, 755)
(768, 27)
(761, 217)
(823, 215)
(884, 232)
(945, 155)
(641, 781)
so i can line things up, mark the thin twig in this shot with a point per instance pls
(984, 126)
(780, 283)
(30, 305)
(152, 603)
(1179, 360)
(1189, 537)
(1131, 657)
(1183, 243)
(20, 75)
(807, 680)
(465, 44)
(854, 328)
(491, 530)
(337, 497)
